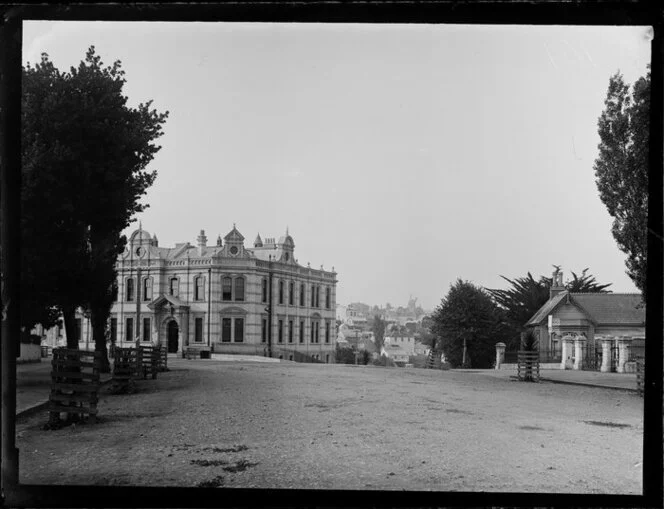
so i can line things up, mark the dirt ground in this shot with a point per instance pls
(287, 425)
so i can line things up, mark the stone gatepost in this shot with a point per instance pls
(500, 354)
(579, 347)
(623, 352)
(566, 362)
(607, 343)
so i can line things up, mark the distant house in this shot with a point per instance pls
(395, 352)
(592, 316)
(404, 341)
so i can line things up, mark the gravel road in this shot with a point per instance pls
(287, 425)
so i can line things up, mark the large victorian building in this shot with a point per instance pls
(224, 298)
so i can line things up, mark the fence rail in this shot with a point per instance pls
(74, 384)
(528, 366)
(125, 370)
(640, 375)
(148, 360)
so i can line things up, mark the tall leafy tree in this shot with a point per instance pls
(621, 169)
(468, 325)
(379, 331)
(101, 147)
(526, 295)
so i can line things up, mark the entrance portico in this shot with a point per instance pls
(172, 314)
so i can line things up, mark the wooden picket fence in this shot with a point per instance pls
(163, 359)
(74, 384)
(125, 370)
(433, 359)
(148, 361)
(528, 366)
(640, 375)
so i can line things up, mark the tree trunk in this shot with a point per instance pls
(99, 337)
(69, 317)
(463, 358)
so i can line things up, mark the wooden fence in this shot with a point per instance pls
(640, 375)
(74, 384)
(148, 361)
(125, 370)
(433, 360)
(528, 365)
(163, 359)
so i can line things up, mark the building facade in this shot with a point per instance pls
(225, 298)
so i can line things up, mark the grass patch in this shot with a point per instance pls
(240, 466)
(211, 483)
(608, 424)
(532, 428)
(455, 411)
(209, 463)
(237, 448)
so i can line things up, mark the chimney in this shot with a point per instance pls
(202, 241)
(556, 284)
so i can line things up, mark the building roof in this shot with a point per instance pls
(601, 308)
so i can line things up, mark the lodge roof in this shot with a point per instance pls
(601, 308)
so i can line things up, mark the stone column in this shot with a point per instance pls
(567, 341)
(579, 347)
(500, 354)
(606, 355)
(623, 352)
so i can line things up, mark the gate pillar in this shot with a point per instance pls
(500, 354)
(579, 347)
(566, 362)
(607, 343)
(623, 352)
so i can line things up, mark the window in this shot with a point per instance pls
(290, 357)
(302, 332)
(226, 289)
(130, 290)
(129, 330)
(174, 287)
(239, 288)
(146, 329)
(281, 292)
(327, 332)
(327, 298)
(198, 330)
(264, 330)
(264, 288)
(199, 288)
(226, 330)
(291, 293)
(280, 332)
(147, 289)
(317, 332)
(327, 358)
(290, 331)
(313, 296)
(239, 330)
(78, 325)
(302, 295)
(114, 329)
(59, 331)
(312, 340)
(318, 296)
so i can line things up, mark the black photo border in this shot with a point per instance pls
(543, 12)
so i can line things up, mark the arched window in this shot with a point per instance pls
(318, 296)
(239, 288)
(174, 287)
(281, 292)
(199, 288)
(226, 288)
(291, 293)
(327, 298)
(313, 296)
(264, 288)
(130, 289)
(302, 292)
(147, 289)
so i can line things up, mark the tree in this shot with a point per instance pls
(621, 169)
(468, 324)
(378, 329)
(344, 355)
(83, 138)
(526, 295)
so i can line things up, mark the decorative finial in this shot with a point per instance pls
(140, 226)
(233, 225)
(286, 230)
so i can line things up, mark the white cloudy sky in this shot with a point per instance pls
(405, 156)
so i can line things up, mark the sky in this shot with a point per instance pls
(404, 156)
